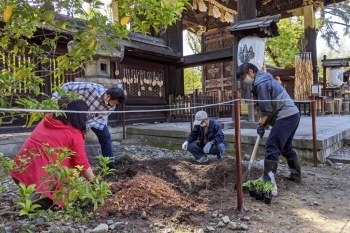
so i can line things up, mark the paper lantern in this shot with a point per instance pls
(251, 49)
(335, 76)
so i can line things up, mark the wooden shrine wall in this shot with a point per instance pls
(144, 86)
(217, 76)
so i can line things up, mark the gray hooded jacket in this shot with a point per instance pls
(266, 88)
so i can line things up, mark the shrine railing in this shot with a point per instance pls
(211, 102)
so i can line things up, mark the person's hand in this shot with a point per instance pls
(184, 146)
(207, 148)
(261, 130)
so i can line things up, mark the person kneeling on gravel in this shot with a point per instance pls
(210, 136)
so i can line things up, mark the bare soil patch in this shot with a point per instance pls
(182, 195)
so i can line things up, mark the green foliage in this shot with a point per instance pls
(70, 190)
(259, 185)
(330, 19)
(268, 186)
(248, 184)
(104, 161)
(192, 79)
(281, 50)
(6, 164)
(24, 65)
(28, 207)
(194, 42)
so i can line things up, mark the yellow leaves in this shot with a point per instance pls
(125, 20)
(79, 167)
(8, 13)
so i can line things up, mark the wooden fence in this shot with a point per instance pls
(209, 100)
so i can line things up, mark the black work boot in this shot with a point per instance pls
(295, 170)
(269, 174)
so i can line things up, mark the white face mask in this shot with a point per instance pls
(248, 80)
(203, 124)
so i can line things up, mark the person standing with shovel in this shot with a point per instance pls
(278, 110)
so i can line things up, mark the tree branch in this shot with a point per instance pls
(273, 56)
(343, 24)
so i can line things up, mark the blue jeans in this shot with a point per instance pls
(104, 138)
(281, 137)
(197, 151)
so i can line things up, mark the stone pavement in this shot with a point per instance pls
(331, 133)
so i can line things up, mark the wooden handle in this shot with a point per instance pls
(254, 152)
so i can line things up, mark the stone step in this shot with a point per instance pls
(337, 159)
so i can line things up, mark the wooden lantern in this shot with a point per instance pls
(251, 49)
(335, 76)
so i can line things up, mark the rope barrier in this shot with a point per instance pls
(138, 111)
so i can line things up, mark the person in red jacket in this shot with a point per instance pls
(63, 131)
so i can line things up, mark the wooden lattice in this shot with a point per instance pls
(218, 76)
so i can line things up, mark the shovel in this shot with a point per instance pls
(246, 174)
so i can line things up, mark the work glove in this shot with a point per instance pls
(261, 130)
(207, 148)
(184, 146)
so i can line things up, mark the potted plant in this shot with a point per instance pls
(250, 186)
(268, 186)
(259, 189)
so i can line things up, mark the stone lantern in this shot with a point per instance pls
(99, 69)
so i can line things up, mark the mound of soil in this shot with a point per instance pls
(166, 187)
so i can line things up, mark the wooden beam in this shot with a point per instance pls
(281, 72)
(215, 56)
(283, 6)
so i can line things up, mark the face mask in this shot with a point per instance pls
(203, 125)
(248, 80)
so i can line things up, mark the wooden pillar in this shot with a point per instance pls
(246, 10)
(324, 76)
(175, 77)
(311, 36)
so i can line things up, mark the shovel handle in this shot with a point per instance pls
(254, 152)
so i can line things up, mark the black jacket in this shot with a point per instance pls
(214, 134)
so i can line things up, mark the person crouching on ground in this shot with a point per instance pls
(98, 98)
(63, 131)
(210, 136)
(278, 110)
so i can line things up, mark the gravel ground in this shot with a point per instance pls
(9, 223)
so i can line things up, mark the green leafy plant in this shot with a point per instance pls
(249, 184)
(76, 196)
(28, 207)
(6, 164)
(259, 185)
(104, 162)
(268, 186)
